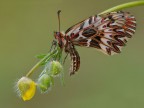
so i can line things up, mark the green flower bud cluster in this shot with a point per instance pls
(45, 82)
(26, 87)
(54, 68)
(46, 78)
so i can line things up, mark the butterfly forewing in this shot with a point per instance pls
(108, 32)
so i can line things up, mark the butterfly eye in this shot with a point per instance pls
(56, 35)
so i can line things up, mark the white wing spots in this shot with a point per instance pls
(108, 35)
(121, 21)
(131, 29)
(98, 21)
(105, 41)
(108, 30)
(132, 26)
(103, 47)
(120, 30)
(88, 42)
(132, 17)
(93, 19)
(107, 19)
(102, 26)
(69, 33)
(124, 39)
(113, 24)
(80, 36)
(130, 33)
(76, 30)
(120, 48)
(103, 50)
(117, 15)
(112, 52)
(86, 23)
(133, 22)
(119, 24)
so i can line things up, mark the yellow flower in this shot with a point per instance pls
(26, 88)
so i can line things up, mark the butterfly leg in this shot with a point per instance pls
(65, 57)
(53, 46)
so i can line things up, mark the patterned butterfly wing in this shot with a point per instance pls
(108, 32)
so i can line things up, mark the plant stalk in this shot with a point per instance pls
(39, 63)
(123, 6)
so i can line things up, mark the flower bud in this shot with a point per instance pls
(44, 82)
(55, 68)
(26, 88)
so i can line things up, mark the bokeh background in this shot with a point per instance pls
(26, 29)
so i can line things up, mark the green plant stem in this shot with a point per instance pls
(38, 64)
(123, 6)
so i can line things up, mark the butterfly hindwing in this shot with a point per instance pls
(75, 58)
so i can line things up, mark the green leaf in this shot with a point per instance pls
(40, 56)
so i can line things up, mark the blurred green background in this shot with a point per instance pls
(26, 29)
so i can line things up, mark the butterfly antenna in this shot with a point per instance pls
(58, 13)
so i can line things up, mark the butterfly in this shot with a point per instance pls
(107, 32)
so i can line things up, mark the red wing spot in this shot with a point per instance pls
(109, 43)
(116, 48)
(108, 51)
(74, 36)
(104, 26)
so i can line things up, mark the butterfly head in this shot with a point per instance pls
(60, 38)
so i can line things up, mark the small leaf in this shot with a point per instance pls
(40, 56)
